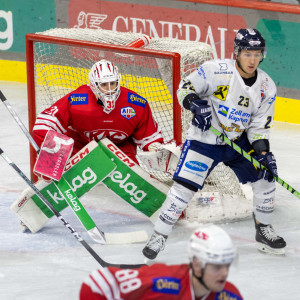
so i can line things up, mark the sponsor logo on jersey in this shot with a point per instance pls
(227, 295)
(196, 166)
(221, 93)
(272, 99)
(238, 116)
(166, 285)
(232, 128)
(223, 69)
(78, 99)
(137, 100)
(223, 66)
(128, 112)
(223, 110)
(113, 134)
(201, 72)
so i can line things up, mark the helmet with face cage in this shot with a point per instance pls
(102, 75)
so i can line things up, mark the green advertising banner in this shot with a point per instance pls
(17, 18)
(283, 44)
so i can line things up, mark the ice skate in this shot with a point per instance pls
(155, 244)
(267, 240)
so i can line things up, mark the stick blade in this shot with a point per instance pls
(126, 237)
(97, 235)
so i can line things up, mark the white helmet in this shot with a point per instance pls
(103, 72)
(211, 244)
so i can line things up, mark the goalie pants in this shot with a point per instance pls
(196, 162)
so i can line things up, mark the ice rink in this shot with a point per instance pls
(51, 264)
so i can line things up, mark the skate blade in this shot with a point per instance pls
(266, 249)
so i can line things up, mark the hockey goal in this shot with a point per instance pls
(58, 61)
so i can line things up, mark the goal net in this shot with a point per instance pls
(59, 60)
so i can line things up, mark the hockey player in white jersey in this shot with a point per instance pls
(237, 98)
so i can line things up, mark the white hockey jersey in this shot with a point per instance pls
(236, 107)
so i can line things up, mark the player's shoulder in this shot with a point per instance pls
(232, 289)
(229, 291)
(221, 64)
(133, 98)
(83, 95)
(219, 68)
(265, 78)
(159, 268)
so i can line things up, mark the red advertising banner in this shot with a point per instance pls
(216, 29)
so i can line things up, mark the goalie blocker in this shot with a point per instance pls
(161, 157)
(128, 181)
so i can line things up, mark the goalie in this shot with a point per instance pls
(102, 109)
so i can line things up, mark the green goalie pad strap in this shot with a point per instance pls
(92, 165)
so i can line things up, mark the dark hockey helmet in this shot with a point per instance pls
(249, 39)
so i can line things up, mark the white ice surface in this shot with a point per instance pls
(52, 263)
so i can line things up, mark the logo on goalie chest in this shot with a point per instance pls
(128, 112)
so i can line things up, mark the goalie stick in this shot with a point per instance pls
(86, 220)
(102, 262)
(252, 160)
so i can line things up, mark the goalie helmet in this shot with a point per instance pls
(102, 75)
(249, 39)
(211, 244)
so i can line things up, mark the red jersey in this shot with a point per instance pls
(79, 116)
(158, 281)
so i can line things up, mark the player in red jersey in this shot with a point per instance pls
(211, 253)
(102, 109)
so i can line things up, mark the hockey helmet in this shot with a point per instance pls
(104, 73)
(211, 244)
(249, 39)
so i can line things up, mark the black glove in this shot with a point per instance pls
(268, 160)
(202, 114)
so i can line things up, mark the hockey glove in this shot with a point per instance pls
(268, 160)
(202, 114)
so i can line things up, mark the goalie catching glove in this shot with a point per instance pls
(161, 157)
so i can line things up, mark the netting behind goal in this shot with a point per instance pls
(59, 61)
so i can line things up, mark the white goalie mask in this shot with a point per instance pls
(104, 81)
(211, 244)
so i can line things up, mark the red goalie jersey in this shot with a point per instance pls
(158, 281)
(79, 116)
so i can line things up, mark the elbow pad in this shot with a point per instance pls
(188, 99)
(260, 146)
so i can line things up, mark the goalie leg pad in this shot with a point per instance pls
(28, 212)
(177, 200)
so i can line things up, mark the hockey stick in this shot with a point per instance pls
(252, 160)
(86, 220)
(60, 217)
